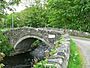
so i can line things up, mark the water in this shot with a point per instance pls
(24, 60)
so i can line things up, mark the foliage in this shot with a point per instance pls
(4, 44)
(57, 44)
(70, 14)
(4, 6)
(32, 16)
(43, 64)
(58, 13)
(53, 51)
(75, 60)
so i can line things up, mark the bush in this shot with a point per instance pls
(5, 47)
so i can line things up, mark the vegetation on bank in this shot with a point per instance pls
(5, 46)
(75, 60)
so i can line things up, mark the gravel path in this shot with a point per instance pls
(84, 45)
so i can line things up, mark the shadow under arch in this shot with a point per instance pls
(24, 43)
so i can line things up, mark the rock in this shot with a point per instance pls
(2, 65)
(59, 61)
(39, 52)
(47, 53)
(67, 37)
(2, 55)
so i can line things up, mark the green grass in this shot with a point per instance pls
(75, 60)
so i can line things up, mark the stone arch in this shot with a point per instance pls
(29, 37)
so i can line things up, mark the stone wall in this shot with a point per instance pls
(78, 33)
(72, 32)
(61, 57)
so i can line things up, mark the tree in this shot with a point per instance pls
(72, 14)
(4, 5)
(35, 16)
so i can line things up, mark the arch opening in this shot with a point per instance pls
(28, 43)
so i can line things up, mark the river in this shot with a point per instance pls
(24, 60)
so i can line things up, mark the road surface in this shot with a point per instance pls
(84, 45)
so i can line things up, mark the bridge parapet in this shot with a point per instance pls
(22, 38)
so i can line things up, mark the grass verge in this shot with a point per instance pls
(75, 60)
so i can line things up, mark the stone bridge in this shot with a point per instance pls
(22, 38)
